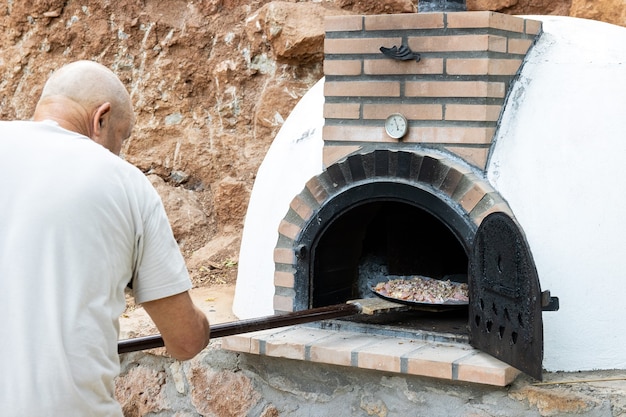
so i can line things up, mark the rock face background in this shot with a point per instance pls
(212, 82)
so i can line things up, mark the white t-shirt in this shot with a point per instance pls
(77, 223)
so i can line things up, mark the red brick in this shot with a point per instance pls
(533, 27)
(459, 43)
(473, 155)
(337, 349)
(292, 342)
(239, 343)
(389, 66)
(469, 66)
(497, 43)
(317, 190)
(478, 19)
(450, 134)
(282, 303)
(343, 23)
(342, 110)
(410, 111)
(356, 133)
(332, 154)
(404, 21)
(482, 66)
(485, 19)
(245, 342)
(284, 256)
(358, 46)
(504, 66)
(519, 46)
(301, 208)
(506, 22)
(284, 279)
(453, 178)
(454, 89)
(416, 134)
(288, 229)
(485, 369)
(362, 88)
(342, 66)
(435, 360)
(386, 354)
(469, 200)
(477, 112)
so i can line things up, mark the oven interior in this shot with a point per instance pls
(382, 239)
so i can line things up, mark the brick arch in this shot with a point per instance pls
(446, 187)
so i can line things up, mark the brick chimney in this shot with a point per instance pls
(449, 79)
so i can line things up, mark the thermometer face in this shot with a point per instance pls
(396, 125)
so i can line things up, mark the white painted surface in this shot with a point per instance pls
(559, 161)
(294, 157)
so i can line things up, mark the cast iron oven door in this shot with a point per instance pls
(505, 296)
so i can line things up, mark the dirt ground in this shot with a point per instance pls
(215, 300)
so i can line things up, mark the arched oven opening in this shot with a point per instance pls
(382, 228)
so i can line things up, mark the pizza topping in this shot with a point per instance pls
(424, 290)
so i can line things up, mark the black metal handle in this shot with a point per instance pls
(549, 303)
(402, 53)
(249, 325)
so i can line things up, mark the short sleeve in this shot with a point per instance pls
(160, 269)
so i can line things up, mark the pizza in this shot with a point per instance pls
(424, 290)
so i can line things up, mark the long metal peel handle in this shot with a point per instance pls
(250, 325)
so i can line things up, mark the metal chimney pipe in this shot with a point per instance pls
(441, 6)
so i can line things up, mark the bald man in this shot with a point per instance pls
(77, 225)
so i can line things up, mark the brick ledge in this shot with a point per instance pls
(449, 361)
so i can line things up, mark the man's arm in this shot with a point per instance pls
(184, 328)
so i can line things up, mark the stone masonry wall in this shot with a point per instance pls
(219, 383)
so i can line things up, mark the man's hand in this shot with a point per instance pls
(184, 328)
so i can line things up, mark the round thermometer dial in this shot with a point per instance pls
(396, 125)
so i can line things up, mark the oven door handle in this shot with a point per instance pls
(549, 303)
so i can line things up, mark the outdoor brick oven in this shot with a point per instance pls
(420, 204)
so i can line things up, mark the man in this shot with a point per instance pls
(77, 225)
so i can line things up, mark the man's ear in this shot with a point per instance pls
(99, 119)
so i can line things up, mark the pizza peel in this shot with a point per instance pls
(367, 306)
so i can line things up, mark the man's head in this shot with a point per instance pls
(89, 99)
